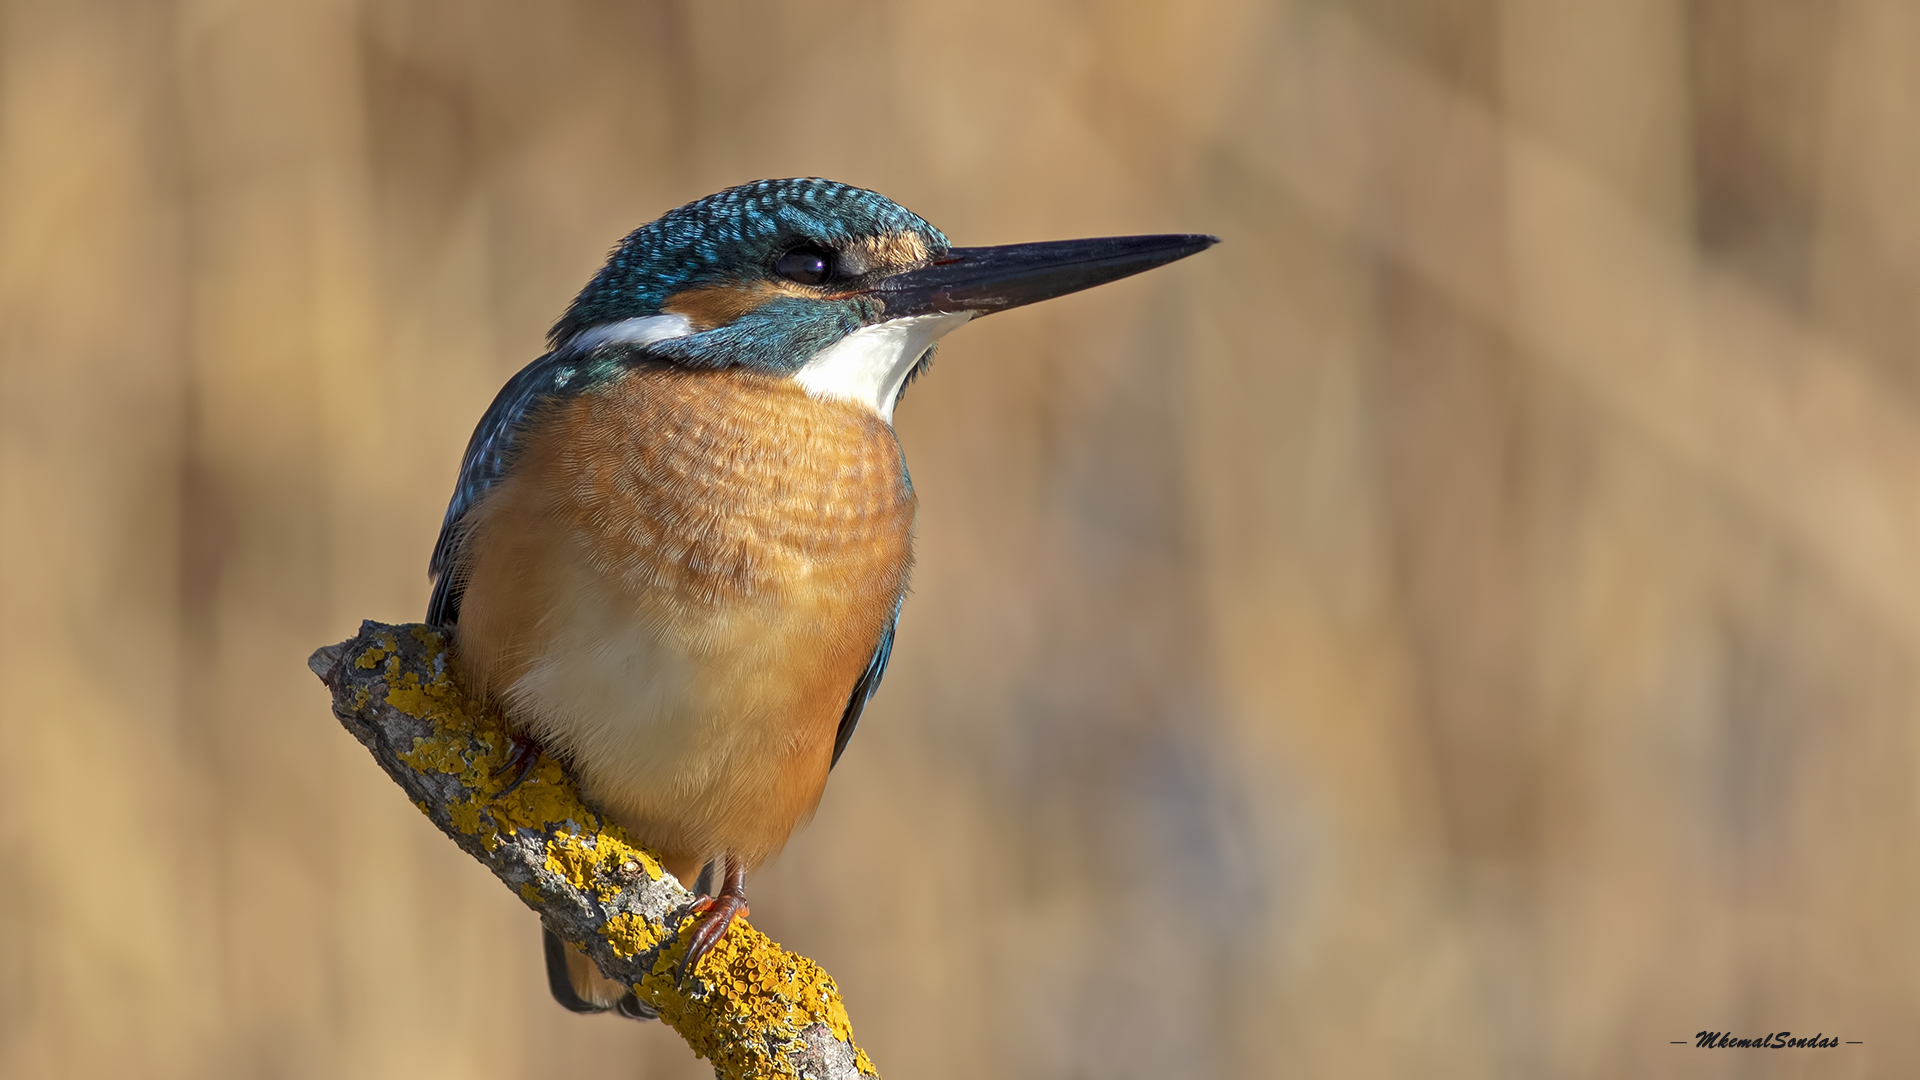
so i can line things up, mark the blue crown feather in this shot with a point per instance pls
(727, 235)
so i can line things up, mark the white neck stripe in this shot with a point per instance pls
(868, 366)
(642, 331)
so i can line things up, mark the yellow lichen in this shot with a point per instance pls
(754, 989)
(465, 816)
(600, 861)
(569, 858)
(630, 935)
(407, 693)
(437, 754)
(542, 800)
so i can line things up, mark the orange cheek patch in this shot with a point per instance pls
(894, 251)
(710, 306)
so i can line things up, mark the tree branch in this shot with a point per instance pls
(751, 1007)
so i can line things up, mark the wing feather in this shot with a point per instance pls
(863, 689)
(563, 373)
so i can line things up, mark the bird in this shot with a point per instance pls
(677, 549)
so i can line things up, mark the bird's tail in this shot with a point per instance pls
(576, 981)
(578, 985)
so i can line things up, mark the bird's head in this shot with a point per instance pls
(837, 287)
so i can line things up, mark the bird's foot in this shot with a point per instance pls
(716, 916)
(522, 752)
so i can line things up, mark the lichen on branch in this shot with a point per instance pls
(751, 1007)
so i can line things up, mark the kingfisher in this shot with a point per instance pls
(677, 549)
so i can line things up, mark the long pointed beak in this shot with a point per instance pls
(984, 280)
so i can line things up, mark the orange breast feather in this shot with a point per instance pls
(677, 588)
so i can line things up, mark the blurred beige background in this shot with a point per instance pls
(1462, 626)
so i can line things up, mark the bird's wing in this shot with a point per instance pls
(495, 441)
(863, 689)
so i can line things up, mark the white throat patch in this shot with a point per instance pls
(870, 365)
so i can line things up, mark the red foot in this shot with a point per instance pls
(717, 914)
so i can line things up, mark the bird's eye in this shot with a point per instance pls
(806, 265)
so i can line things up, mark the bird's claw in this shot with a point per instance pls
(716, 916)
(522, 754)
